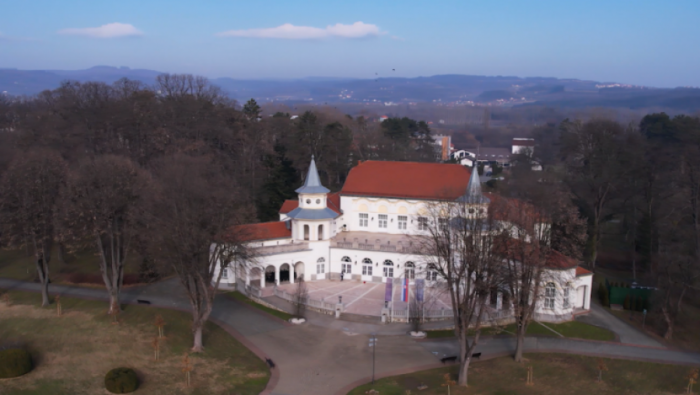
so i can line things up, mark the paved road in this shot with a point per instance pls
(326, 355)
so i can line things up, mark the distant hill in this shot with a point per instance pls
(469, 89)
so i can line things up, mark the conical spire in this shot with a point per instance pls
(474, 195)
(312, 183)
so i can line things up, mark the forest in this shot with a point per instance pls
(161, 171)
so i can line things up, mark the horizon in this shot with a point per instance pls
(644, 43)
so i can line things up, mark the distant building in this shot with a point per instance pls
(521, 144)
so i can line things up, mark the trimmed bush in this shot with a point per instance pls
(121, 381)
(15, 362)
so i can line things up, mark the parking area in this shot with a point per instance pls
(368, 298)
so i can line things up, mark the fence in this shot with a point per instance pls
(319, 305)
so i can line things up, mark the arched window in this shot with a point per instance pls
(321, 266)
(410, 271)
(320, 232)
(346, 265)
(366, 267)
(388, 268)
(306, 232)
(550, 295)
(432, 273)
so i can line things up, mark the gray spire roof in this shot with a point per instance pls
(312, 183)
(474, 195)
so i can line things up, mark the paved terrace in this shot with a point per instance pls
(368, 298)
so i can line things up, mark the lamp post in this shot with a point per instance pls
(373, 343)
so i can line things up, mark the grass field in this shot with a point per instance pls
(73, 352)
(573, 329)
(554, 374)
(242, 298)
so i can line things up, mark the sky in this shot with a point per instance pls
(640, 42)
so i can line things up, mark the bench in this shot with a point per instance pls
(142, 301)
(270, 363)
(449, 359)
(476, 355)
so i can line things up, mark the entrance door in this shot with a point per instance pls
(581, 297)
(367, 269)
(388, 269)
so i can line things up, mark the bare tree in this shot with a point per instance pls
(103, 207)
(595, 162)
(28, 200)
(537, 219)
(460, 248)
(193, 213)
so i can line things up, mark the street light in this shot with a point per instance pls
(373, 344)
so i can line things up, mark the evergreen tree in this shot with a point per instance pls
(279, 186)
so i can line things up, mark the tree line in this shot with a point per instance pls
(164, 171)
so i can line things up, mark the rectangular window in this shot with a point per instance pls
(565, 302)
(367, 270)
(403, 221)
(224, 273)
(383, 220)
(422, 223)
(442, 223)
(432, 275)
(320, 268)
(388, 271)
(364, 220)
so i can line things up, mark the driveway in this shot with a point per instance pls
(628, 334)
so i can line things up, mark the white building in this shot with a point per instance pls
(366, 231)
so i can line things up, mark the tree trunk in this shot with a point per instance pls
(114, 305)
(197, 330)
(43, 270)
(519, 343)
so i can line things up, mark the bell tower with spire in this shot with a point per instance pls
(474, 198)
(311, 220)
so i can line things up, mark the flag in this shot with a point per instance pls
(389, 290)
(420, 284)
(404, 291)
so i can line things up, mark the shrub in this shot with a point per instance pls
(121, 381)
(14, 362)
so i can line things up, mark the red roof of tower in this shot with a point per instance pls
(407, 180)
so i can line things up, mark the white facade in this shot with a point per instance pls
(370, 241)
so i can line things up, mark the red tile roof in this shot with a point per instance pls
(262, 231)
(332, 202)
(582, 272)
(557, 260)
(407, 180)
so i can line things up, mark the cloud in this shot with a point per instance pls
(291, 32)
(110, 30)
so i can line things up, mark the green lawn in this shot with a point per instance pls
(554, 374)
(242, 298)
(73, 352)
(573, 329)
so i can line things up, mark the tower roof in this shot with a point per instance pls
(473, 194)
(312, 183)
